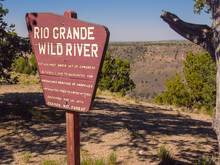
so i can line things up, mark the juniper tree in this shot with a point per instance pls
(11, 45)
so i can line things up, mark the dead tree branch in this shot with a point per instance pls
(199, 34)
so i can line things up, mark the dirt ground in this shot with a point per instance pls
(133, 130)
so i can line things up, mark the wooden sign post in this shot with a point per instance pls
(72, 126)
(73, 138)
(69, 55)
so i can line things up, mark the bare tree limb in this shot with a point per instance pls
(199, 34)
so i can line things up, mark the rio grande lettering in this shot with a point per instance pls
(67, 49)
(79, 33)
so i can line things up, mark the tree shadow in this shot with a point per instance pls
(144, 123)
(6, 156)
(173, 162)
(30, 126)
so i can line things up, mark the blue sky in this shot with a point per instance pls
(127, 20)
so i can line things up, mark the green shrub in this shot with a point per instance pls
(25, 65)
(51, 162)
(197, 88)
(200, 75)
(86, 159)
(25, 78)
(115, 75)
(176, 93)
(100, 161)
(26, 156)
(165, 156)
(33, 64)
(19, 64)
(27, 69)
(11, 46)
(205, 161)
(112, 159)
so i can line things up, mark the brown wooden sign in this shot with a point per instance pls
(69, 54)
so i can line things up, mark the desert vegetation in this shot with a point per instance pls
(11, 46)
(115, 75)
(124, 126)
(25, 65)
(196, 89)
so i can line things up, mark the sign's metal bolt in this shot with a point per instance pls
(70, 14)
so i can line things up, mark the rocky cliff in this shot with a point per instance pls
(152, 63)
